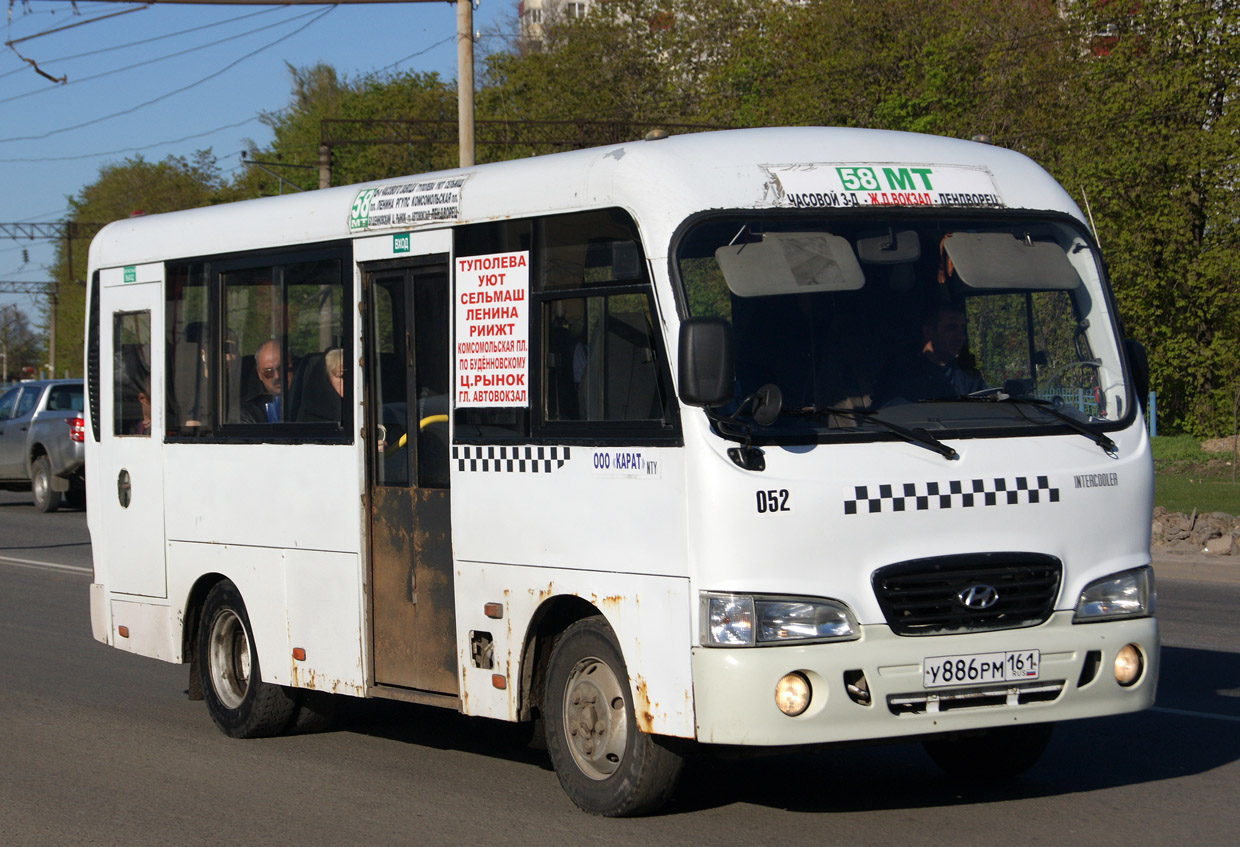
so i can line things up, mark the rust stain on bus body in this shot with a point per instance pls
(643, 709)
(312, 681)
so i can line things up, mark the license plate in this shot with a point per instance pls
(979, 668)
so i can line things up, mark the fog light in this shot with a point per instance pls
(792, 694)
(1128, 665)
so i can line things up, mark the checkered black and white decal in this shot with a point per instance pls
(960, 494)
(510, 459)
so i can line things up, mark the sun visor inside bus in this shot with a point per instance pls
(1000, 260)
(790, 263)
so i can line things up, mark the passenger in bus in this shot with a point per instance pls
(264, 406)
(941, 369)
(333, 359)
(143, 427)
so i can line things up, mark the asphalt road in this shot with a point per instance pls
(101, 747)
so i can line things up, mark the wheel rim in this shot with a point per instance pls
(595, 718)
(229, 659)
(40, 486)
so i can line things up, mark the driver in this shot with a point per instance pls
(942, 368)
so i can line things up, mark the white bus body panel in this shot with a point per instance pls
(647, 614)
(284, 524)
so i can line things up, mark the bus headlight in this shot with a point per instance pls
(744, 620)
(1129, 594)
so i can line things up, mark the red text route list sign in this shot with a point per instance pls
(492, 330)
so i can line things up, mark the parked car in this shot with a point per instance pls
(41, 441)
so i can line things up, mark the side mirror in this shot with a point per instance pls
(1139, 362)
(706, 373)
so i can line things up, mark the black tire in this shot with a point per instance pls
(239, 702)
(998, 753)
(46, 499)
(604, 763)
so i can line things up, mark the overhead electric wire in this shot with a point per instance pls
(265, 11)
(399, 62)
(164, 58)
(132, 149)
(140, 148)
(174, 92)
(96, 19)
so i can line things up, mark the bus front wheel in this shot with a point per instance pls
(239, 702)
(604, 763)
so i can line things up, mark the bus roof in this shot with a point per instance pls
(660, 181)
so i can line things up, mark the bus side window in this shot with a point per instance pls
(189, 407)
(131, 384)
(599, 360)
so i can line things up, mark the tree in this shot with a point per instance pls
(19, 344)
(1153, 145)
(131, 187)
(319, 93)
(627, 60)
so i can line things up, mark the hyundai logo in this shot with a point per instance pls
(978, 597)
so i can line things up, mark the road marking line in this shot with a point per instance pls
(51, 566)
(1188, 714)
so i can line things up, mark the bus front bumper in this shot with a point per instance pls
(735, 703)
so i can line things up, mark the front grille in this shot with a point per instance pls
(932, 703)
(924, 596)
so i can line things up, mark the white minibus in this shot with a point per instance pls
(758, 439)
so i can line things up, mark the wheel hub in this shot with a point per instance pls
(229, 659)
(595, 718)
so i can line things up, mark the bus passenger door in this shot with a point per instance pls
(130, 487)
(413, 619)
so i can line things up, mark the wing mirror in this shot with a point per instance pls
(706, 370)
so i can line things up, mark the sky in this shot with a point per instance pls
(170, 79)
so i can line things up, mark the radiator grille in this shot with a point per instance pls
(928, 596)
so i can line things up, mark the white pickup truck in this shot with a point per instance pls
(41, 441)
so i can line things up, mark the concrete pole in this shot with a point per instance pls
(325, 166)
(465, 80)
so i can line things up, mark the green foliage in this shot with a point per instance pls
(1177, 493)
(1130, 105)
(1174, 449)
(1154, 150)
(1187, 477)
(21, 346)
(318, 94)
(131, 187)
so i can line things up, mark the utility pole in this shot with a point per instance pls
(465, 80)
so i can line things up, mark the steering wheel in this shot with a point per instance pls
(1050, 381)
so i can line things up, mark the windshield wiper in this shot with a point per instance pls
(1107, 445)
(918, 436)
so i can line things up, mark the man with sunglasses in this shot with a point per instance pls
(264, 407)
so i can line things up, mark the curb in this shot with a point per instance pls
(1196, 567)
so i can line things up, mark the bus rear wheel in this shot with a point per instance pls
(604, 763)
(239, 702)
(998, 753)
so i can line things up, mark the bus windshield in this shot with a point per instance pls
(960, 326)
